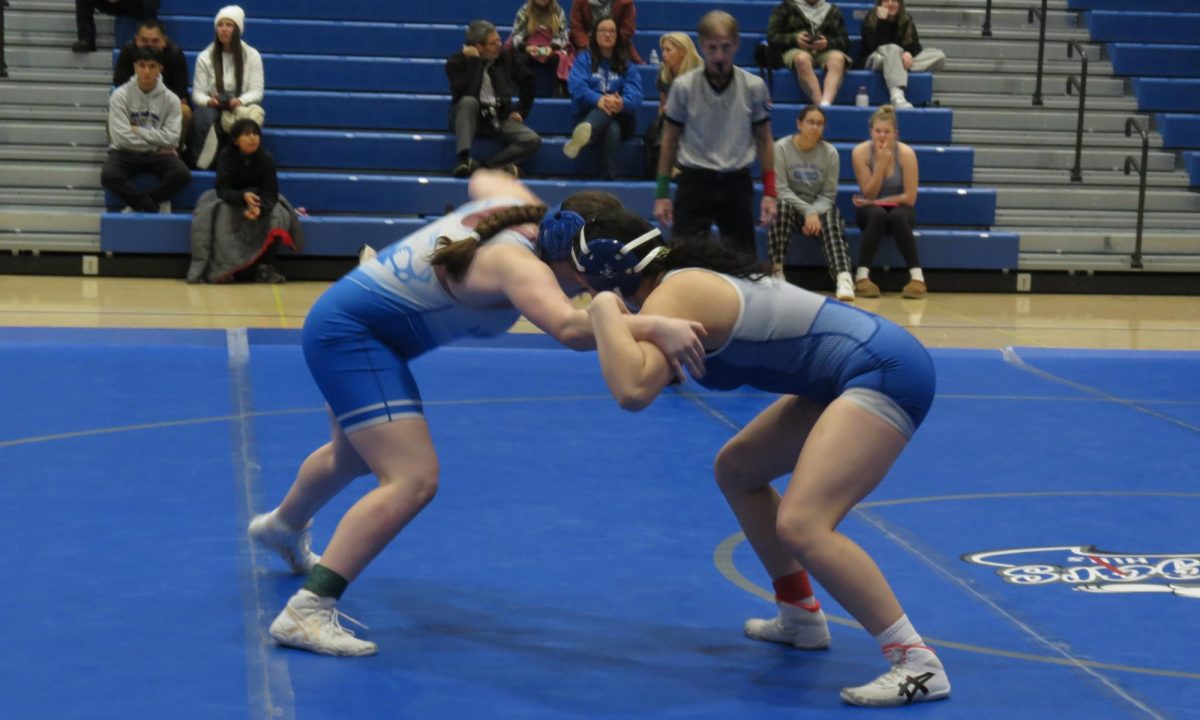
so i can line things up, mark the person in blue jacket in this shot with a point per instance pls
(606, 91)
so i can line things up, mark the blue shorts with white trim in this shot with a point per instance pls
(362, 371)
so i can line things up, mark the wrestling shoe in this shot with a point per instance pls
(294, 546)
(310, 622)
(916, 676)
(805, 629)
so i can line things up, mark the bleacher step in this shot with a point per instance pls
(80, 134)
(52, 113)
(1109, 263)
(1035, 239)
(997, 177)
(969, 100)
(1002, 17)
(53, 153)
(1037, 119)
(1012, 218)
(50, 242)
(1053, 70)
(19, 19)
(1021, 46)
(20, 90)
(1067, 199)
(53, 61)
(32, 218)
(54, 198)
(1064, 158)
(61, 176)
(1055, 139)
(952, 82)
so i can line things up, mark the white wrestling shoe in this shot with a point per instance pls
(793, 625)
(916, 676)
(294, 546)
(310, 622)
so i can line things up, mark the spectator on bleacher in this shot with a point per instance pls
(810, 167)
(151, 34)
(679, 56)
(539, 35)
(887, 175)
(143, 129)
(891, 45)
(586, 13)
(718, 121)
(482, 79)
(85, 20)
(228, 84)
(606, 92)
(807, 34)
(238, 226)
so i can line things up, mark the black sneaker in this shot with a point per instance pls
(465, 168)
(84, 46)
(265, 273)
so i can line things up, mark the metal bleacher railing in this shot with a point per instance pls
(1081, 83)
(1132, 124)
(987, 19)
(1041, 62)
(3, 65)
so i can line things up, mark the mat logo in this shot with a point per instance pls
(1088, 569)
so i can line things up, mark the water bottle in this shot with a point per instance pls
(862, 99)
(654, 57)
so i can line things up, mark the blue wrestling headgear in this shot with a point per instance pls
(556, 233)
(609, 264)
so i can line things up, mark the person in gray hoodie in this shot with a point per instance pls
(144, 122)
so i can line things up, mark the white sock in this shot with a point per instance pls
(862, 273)
(916, 274)
(900, 633)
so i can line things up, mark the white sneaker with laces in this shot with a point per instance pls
(805, 629)
(900, 101)
(579, 137)
(294, 546)
(310, 622)
(845, 288)
(916, 676)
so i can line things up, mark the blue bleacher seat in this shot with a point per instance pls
(1154, 60)
(414, 40)
(409, 112)
(428, 76)
(1143, 27)
(651, 14)
(392, 195)
(1167, 94)
(343, 236)
(1191, 162)
(940, 248)
(1139, 5)
(431, 152)
(1178, 130)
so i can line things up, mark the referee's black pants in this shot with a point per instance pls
(707, 197)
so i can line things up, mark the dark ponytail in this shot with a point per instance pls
(703, 252)
(456, 255)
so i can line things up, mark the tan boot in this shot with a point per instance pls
(914, 290)
(865, 288)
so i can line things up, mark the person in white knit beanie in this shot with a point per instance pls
(227, 85)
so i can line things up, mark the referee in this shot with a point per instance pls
(718, 119)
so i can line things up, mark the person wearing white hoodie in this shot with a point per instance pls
(144, 123)
(227, 85)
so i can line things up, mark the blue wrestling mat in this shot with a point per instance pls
(578, 561)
